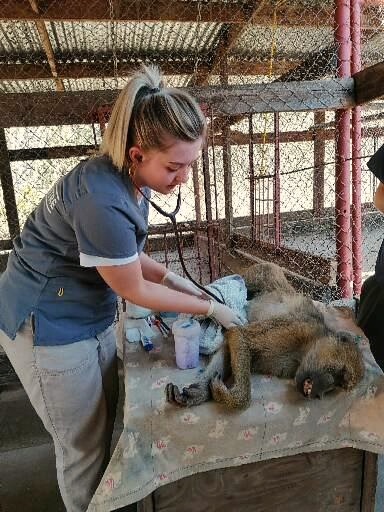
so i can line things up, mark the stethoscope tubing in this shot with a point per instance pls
(172, 217)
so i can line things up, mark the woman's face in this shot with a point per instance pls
(163, 170)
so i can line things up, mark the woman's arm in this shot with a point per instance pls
(128, 282)
(151, 269)
(378, 200)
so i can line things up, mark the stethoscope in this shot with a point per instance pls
(172, 217)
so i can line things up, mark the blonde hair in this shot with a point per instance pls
(148, 113)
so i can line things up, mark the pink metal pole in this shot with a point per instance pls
(357, 256)
(342, 170)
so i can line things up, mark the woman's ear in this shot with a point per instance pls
(135, 154)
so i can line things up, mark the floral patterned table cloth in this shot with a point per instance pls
(162, 443)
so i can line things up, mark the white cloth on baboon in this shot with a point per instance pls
(233, 291)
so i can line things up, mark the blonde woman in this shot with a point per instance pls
(80, 248)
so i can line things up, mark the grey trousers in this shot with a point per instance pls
(74, 390)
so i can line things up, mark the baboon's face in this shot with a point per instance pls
(325, 367)
(316, 384)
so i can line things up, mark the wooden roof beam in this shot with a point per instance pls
(369, 83)
(80, 107)
(135, 10)
(44, 109)
(173, 11)
(229, 35)
(46, 43)
(318, 65)
(235, 138)
(105, 69)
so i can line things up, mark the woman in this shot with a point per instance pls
(371, 307)
(80, 248)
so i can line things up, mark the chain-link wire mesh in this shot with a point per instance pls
(265, 184)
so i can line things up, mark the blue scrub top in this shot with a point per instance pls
(91, 217)
(376, 165)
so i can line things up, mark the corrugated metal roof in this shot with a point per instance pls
(373, 49)
(19, 86)
(172, 42)
(99, 84)
(18, 38)
(132, 39)
(289, 42)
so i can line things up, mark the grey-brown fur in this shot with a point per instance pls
(287, 337)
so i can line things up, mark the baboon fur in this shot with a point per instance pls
(287, 336)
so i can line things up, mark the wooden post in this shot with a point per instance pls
(276, 186)
(369, 482)
(208, 213)
(196, 192)
(227, 160)
(227, 181)
(8, 188)
(252, 181)
(318, 162)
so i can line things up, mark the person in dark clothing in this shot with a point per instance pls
(370, 316)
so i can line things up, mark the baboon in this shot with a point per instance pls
(287, 336)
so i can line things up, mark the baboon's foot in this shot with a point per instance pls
(234, 398)
(195, 394)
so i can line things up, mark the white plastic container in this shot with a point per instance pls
(186, 333)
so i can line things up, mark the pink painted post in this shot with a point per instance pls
(357, 256)
(342, 170)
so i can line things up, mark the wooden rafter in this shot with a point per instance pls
(317, 65)
(46, 43)
(369, 83)
(174, 10)
(229, 35)
(31, 109)
(42, 109)
(105, 69)
(236, 138)
(138, 10)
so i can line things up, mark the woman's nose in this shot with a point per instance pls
(183, 175)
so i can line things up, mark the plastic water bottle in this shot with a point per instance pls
(186, 333)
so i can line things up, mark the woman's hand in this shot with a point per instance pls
(128, 282)
(180, 284)
(224, 315)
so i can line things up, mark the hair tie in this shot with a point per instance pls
(154, 90)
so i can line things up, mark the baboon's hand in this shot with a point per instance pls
(195, 394)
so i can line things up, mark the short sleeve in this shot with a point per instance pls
(105, 231)
(376, 164)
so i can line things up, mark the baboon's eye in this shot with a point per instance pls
(345, 337)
